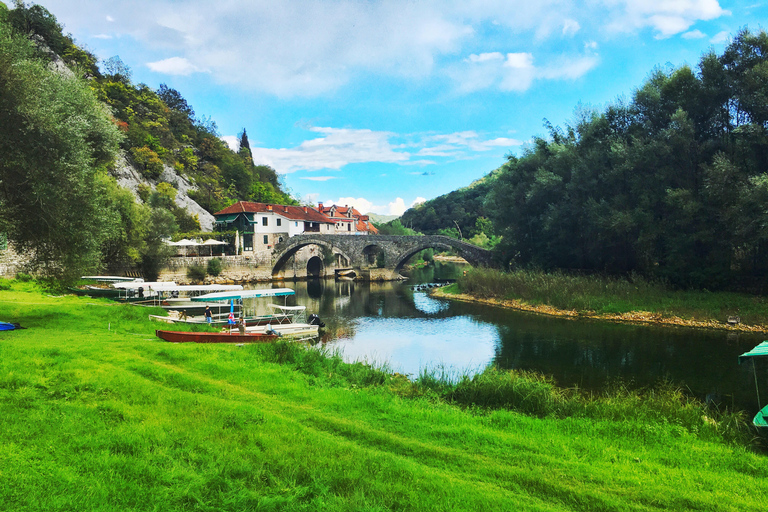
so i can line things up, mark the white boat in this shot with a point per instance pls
(291, 329)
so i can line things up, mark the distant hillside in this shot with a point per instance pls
(453, 212)
(382, 219)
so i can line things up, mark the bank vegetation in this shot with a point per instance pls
(629, 299)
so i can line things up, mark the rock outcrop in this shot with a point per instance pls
(129, 177)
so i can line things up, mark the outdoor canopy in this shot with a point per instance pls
(759, 351)
(245, 294)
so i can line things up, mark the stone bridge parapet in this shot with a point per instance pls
(361, 251)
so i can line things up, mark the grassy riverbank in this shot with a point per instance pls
(98, 414)
(635, 300)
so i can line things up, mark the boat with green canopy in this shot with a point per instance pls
(761, 351)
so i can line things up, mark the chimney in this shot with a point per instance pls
(285, 209)
(321, 206)
(269, 207)
(305, 210)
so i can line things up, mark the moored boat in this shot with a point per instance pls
(220, 319)
(214, 337)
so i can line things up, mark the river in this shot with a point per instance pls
(392, 324)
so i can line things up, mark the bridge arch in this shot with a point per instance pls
(290, 247)
(404, 257)
(467, 251)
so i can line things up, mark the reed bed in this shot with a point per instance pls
(608, 295)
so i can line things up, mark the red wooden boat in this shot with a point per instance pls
(214, 337)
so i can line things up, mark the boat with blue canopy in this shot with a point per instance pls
(761, 351)
(244, 294)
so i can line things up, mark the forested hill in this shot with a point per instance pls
(460, 213)
(670, 184)
(64, 123)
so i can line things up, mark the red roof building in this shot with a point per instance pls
(263, 225)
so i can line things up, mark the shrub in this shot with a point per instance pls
(214, 267)
(196, 272)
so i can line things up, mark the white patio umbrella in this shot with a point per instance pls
(211, 242)
(185, 243)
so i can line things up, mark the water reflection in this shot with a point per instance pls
(407, 329)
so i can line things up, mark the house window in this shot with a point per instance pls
(279, 222)
(349, 227)
(296, 224)
(266, 239)
(264, 221)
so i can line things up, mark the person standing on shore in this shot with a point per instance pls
(208, 315)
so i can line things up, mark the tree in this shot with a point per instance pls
(244, 149)
(155, 252)
(175, 101)
(54, 138)
(117, 70)
(36, 20)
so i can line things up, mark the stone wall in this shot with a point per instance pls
(11, 262)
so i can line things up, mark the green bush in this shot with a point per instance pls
(196, 272)
(214, 267)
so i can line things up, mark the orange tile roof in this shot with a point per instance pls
(303, 213)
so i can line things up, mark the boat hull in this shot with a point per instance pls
(223, 322)
(213, 337)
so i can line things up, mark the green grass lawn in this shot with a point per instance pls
(98, 414)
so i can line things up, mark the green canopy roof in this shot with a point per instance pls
(759, 351)
(232, 217)
(227, 218)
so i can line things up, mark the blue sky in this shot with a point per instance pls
(379, 105)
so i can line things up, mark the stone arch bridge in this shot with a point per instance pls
(359, 252)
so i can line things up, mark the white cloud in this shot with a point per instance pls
(311, 47)
(364, 206)
(517, 72)
(396, 207)
(359, 203)
(694, 34)
(231, 141)
(336, 148)
(720, 37)
(458, 144)
(174, 66)
(339, 147)
(569, 69)
(667, 17)
(319, 178)
(570, 27)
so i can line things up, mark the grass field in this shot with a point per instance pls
(98, 414)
